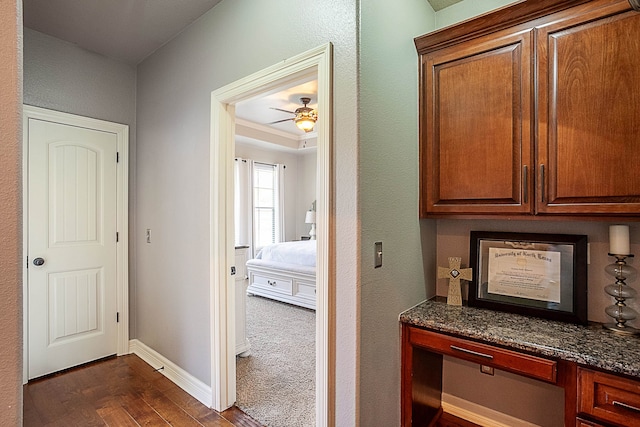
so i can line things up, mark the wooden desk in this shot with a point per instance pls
(599, 371)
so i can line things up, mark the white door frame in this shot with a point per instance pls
(122, 218)
(318, 60)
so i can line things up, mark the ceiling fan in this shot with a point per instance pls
(304, 117)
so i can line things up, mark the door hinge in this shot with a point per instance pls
(117, 237)
(27, 262)
(117, 157)
(117, 317)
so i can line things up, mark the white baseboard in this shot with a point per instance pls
(478, 414)
(179, 376)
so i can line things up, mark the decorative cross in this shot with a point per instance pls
(454, 273)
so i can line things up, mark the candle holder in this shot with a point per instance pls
(621, 292)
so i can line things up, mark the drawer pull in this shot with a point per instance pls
(625, 406)
(525, 183)
(542, 183)
(474, 353)
(271, 283)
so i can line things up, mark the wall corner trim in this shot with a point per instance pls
(175, 373)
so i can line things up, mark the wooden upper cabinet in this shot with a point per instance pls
(589, 111)
(533, 109)
(477, 139)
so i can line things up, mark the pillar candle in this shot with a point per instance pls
(619, 239)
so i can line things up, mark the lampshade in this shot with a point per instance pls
(310, 217)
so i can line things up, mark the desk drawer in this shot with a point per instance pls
(609, 398)
(507, 360)
(584, 423)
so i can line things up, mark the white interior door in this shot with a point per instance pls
(72, 224)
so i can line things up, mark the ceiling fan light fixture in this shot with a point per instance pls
(305, 117)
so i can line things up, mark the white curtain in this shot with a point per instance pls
(280, 227)
(242, 202)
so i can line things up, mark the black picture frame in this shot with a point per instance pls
(541, 275)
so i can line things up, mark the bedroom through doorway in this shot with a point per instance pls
(275, 168)
(303, 211)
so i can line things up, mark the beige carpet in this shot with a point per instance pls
(276, 383)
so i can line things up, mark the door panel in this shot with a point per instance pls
(74, 201)
(74, 305)
(72, 228)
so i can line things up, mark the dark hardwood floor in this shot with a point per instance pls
(123, 391)
(126, 391)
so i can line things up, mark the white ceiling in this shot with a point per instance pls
(126, 30)
(261, 109)
(131, 30)
(255, 117)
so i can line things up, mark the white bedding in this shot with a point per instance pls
(300, 253)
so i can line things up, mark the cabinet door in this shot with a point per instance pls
(609, 398)
(476, 127)
(589, 116)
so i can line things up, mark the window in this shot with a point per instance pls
(259, 201)
(266, 206)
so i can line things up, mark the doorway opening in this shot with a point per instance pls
(314, 62)
(275, 194)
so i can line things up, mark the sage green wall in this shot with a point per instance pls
(11, 213)
(467, 9)
(389, 197)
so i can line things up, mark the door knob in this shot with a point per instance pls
(38, 261)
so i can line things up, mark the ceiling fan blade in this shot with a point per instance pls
(280, 121)
(280, 109)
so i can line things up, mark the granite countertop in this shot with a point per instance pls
(589, 345)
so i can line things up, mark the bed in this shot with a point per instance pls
(285, 272)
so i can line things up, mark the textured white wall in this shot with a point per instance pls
(63, 77)
(231, 41)
(389, 197)
(11, 213)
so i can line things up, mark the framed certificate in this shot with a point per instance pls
(543, 275)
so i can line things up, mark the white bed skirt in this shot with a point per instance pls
(290, 283)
